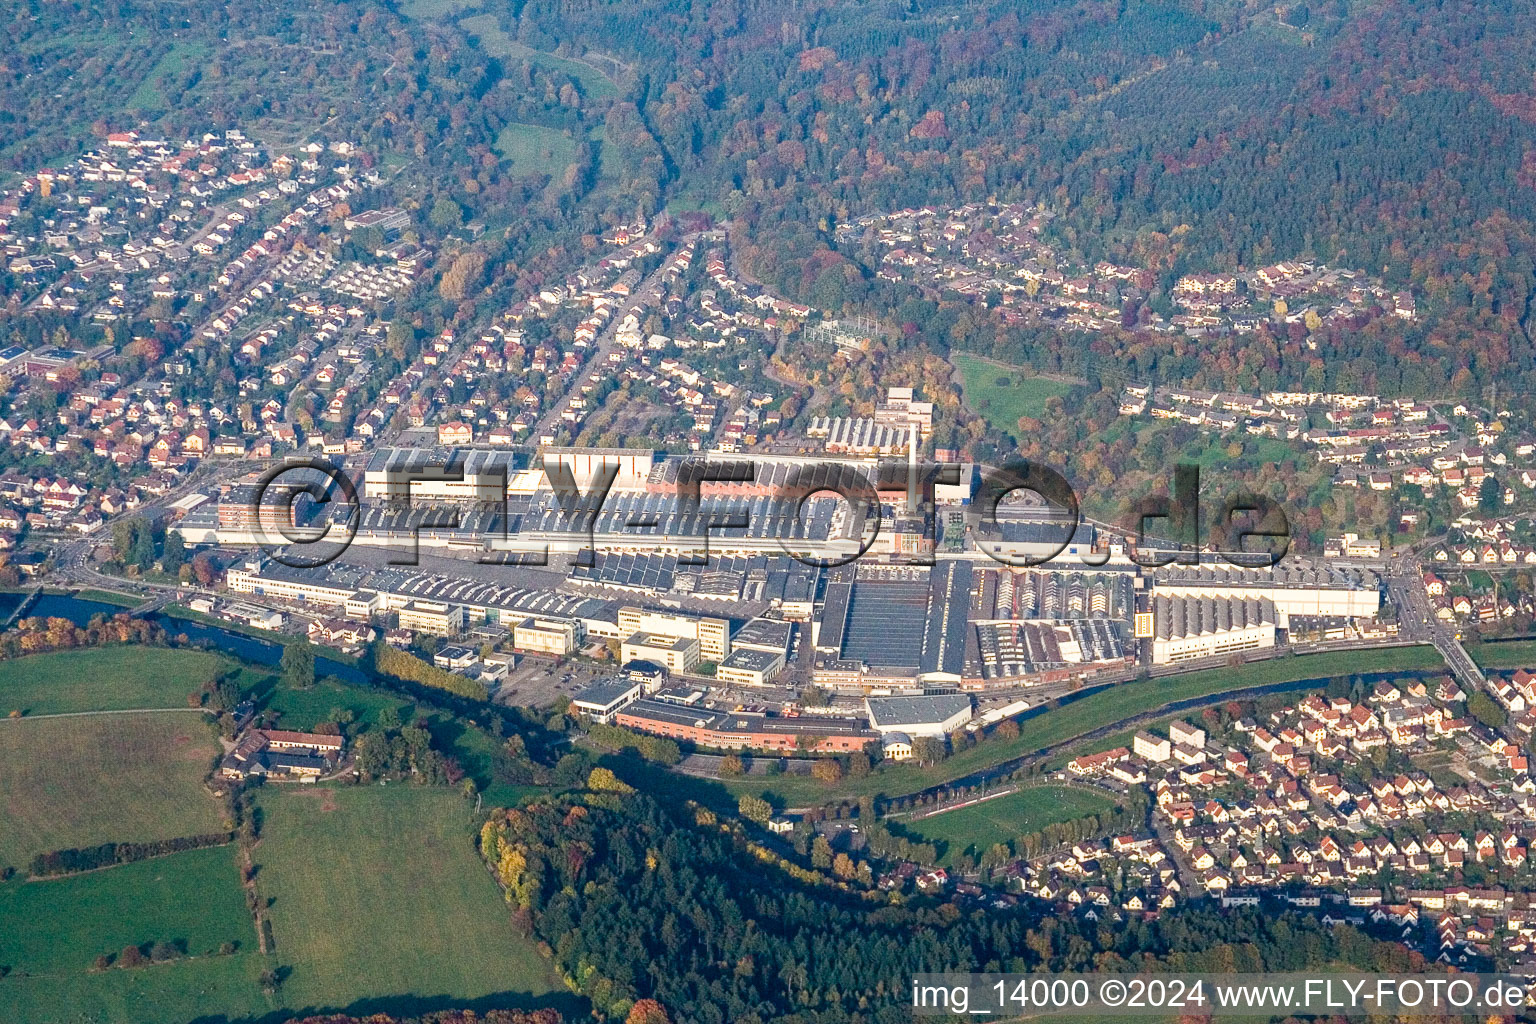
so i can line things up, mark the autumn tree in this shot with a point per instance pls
(602, 780)
(827, 770)
(203, 569)
(647, 1011)
(755, 808)
(463, 277)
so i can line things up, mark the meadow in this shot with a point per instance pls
(80, 781)
(380, 887)
(531, 149)
(379, 900)
(150, 95)
(427, 10)
(1003, 405)
(497, 43)
(104, 679)
(132, 677)
(192, 898)
(976, 828)
(304, 709)
(51, 932)
(1504, 654)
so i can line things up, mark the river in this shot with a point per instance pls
(250, 649)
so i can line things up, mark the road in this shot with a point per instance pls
(72, 560)
(1462, 666)
(1416, 620)
(603, 346)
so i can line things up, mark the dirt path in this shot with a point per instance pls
(1060, 378)
(121, 711)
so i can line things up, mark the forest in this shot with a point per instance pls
(1176, 136)
(639, 901)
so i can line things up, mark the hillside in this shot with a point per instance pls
(1179, 135)
(1211, 134)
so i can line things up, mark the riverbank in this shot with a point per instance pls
(1089, 713)
(256, 647)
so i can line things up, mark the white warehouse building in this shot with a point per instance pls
(1186, 628)
(1296, 587)
(935, 715)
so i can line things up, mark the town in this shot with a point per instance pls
(673, 513)
(224, 314)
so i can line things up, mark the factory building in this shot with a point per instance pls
(713, 635)
(929, 715)
(1296, 587)
(602, 701)
(265, 578)
(436, 617)
(441, 473)
(557, 637)
(631, 466)
(744, 730)
(747, 666)
(1186, 628)
(675, 653)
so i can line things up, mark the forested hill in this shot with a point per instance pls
(1397, 137)
(1368, 126)
(1394, 136)
(636, 901)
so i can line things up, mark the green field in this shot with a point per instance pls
(498, 44)
(1000, 820)
(1003, 406)
(151, 92)
(192, 897)
(1211, 452)
(379, 900)
(1509, 654)
(105, 597)
(425, 10)
(531, 149)
(378, 903)
(304, 709)
(132, 677)
(70, 782)
(1081, 716)
(104, 679)
(379, 890)
(52, 931)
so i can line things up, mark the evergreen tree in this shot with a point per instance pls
(174, 554)
(144, 547)
(298, 665)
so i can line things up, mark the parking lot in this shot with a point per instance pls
(538, 683)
